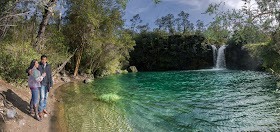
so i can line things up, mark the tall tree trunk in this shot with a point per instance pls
(64, 64)
(59, 21)
(33, 26)
(79, 59)
(47, 14)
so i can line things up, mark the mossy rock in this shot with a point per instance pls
(88, 80)
(109, 98)
(132, 69)
(124, 71)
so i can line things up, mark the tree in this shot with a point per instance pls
(48, 10)
(143, 28)
(199, 26)
(82, 20)
(10, 10)
(135, 21)
(262, 13)
(167, 22)
(256, 26)
(184, 22)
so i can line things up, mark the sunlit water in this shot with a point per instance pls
(201, 100)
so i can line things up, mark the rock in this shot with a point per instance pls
(132, 69)
(22, 122)
(77, 77)
(109, 98)
(124, 71)
(63, 73)
(105, 73)
(65, 79)
(59, 100)
(11, 113)
(58, 75)
(91, 77)
(118, 71)
(82, 74)
(1, 103)
(88, 80)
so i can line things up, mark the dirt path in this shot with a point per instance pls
(20, 98)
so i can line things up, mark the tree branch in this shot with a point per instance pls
(8, 25)
(24, 13)
(249, 22)
(64, 63)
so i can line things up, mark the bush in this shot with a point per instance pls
(14, 60)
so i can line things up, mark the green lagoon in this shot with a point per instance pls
(178, 101)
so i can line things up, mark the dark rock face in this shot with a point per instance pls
(176, 52)
(238, 58)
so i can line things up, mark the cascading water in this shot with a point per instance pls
(219, 58)
(214, 49)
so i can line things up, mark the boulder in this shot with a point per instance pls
(11, 113)
(103, 73)
(63, 73)
(124, 71)
(132, 69)
(118, 71)
(65, 79)
(88, 80)
(83, 74)
(77, 77)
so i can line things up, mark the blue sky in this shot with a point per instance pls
(149, 11)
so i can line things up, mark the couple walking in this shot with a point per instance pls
(40, 82)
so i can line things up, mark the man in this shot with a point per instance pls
(46, 84)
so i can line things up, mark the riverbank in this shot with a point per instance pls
(20, 98)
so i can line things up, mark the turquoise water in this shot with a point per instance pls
(202, 100)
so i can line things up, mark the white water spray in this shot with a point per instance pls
(219, 58)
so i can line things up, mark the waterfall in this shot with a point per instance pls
(219, 58)
(214, 49)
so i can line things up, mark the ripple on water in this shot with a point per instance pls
(198, 100)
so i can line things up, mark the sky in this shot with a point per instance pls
(149, 11)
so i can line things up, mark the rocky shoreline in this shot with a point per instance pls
(19, 97)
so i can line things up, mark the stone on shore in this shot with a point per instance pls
(132, 69)
(88, 80)
(11, 113)
(65, 79)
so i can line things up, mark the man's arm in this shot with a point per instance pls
(51, 81)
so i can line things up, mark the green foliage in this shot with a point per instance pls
(270, 53)
(254, 28)
(216, 35)
(14, 60)
(55, 47)
(107, 44)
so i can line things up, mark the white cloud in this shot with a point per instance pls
(203, 4)
(195, 4)
(138, 10)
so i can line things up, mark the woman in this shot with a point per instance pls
(34, 83)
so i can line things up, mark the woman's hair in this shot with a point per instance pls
(32, 63)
